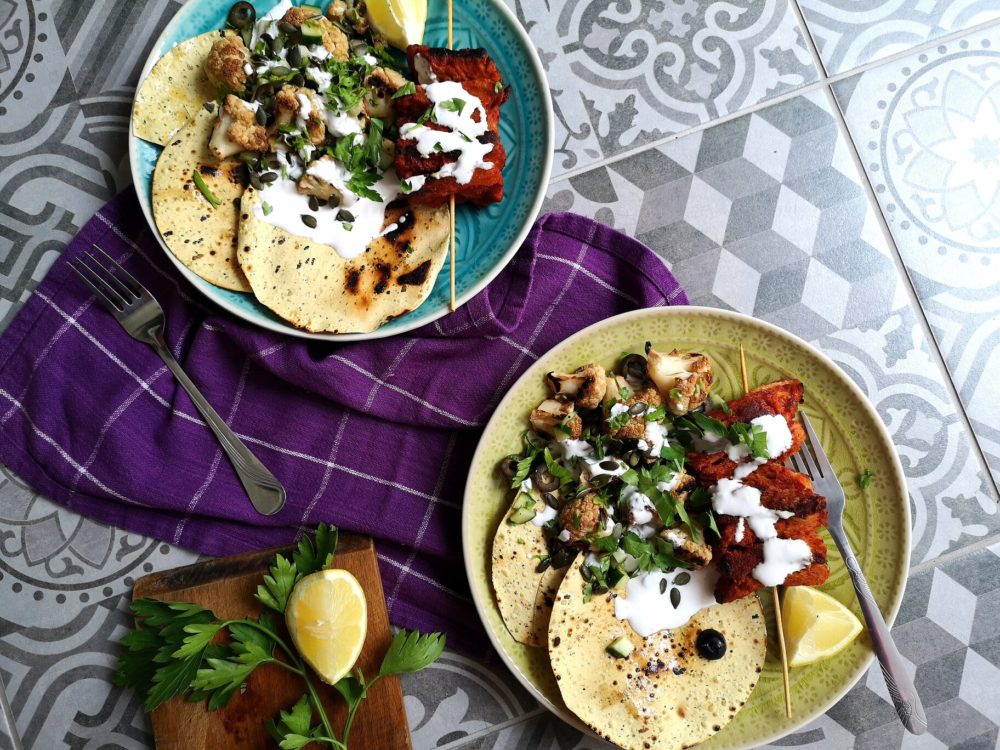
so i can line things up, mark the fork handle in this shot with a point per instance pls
(901, 687)
(263, 488)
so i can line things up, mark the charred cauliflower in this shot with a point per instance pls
(557, 419)
(580, 518)
(237, 130)
(684, 380)
(695, 554)
(225, 66)
(585, 386)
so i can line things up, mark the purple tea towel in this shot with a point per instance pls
(375, 437)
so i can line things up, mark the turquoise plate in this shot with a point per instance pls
(486, 238)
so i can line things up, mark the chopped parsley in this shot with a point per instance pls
(455, 105)
(406, 89)
(866, 479)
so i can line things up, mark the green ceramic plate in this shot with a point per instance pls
(877, 519)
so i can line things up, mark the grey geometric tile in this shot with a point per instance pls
(927, 129)
(849, 34)
(625, 74)
(804, 252)
(457, 697)
(88, 33)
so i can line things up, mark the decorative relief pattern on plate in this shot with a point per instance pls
(928, 131)
(624, 74)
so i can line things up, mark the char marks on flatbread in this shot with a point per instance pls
(313, 287)
(202, 237)
(664, 694)
(174, 91)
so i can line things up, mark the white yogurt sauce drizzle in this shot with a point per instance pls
(782, 557)
(462, 135)
(288, 206)
(546, 514)
(648, 611)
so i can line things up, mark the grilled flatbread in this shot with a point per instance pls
(524, 595)
(202, 237)
(313, 287)
(664, 694)
(174, 91)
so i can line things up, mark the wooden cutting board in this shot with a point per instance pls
(226, 586)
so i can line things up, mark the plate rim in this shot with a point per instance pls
(548, 114)
(899, 479)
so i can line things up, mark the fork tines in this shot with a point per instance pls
(115, 291)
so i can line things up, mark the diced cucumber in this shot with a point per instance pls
(521, 515)
(620, 648)
(312, 30)
(524, 500)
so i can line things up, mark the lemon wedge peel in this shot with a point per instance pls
(401, 22)
(327, 618)
(817, 626)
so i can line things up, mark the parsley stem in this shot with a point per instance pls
(314, 698)
(353, 709)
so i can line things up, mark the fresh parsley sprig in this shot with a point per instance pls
(183, 649)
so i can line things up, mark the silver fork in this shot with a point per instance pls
(904, 695)
(141, 316)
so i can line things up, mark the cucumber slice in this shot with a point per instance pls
(312, 30)
(521, 515)
(524, 500)
(620, 648)
(314, 9)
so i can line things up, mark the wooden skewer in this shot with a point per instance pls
(451, 202)
(774, 589)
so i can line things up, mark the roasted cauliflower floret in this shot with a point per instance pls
(557, 419)
(311, 184)
(296, 103)
(627, 419)
(585, 386)
(335, 11)
(695, 554)
(580, 518)
(225, 64)
(237, 129)
(380, 85)
(334, 39)
(296, 16)
(684, 380)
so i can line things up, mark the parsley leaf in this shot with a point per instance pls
(411, 651)
(560, 472)
(278, 583)
(455, 105)
(405, 90)
(866, 479)
(316, 552)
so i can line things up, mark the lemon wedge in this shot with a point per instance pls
(401, 22)
(817, 626)
(327, 617)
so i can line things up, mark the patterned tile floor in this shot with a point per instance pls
(860, 214)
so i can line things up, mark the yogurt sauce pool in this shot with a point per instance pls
(648, 611)
(350, 239)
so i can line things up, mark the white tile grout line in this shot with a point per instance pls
(823, 82)
(955, 554)
(845, 133)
